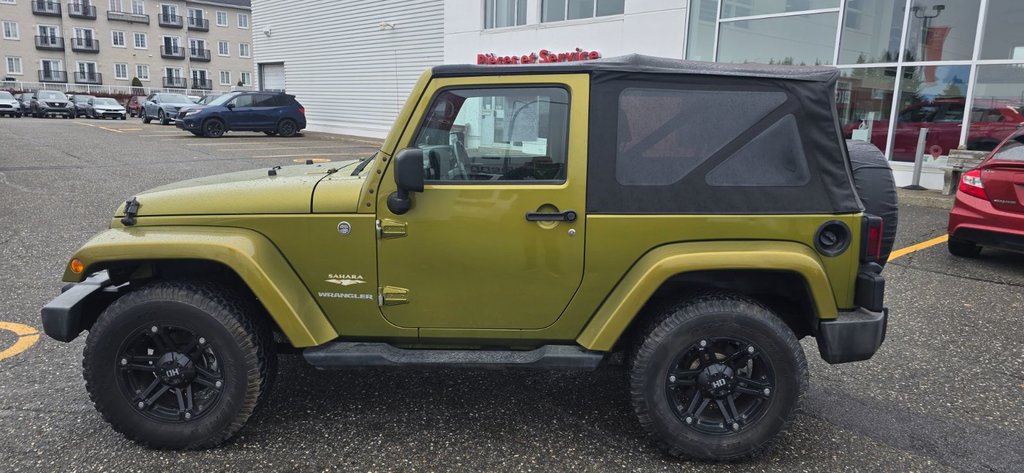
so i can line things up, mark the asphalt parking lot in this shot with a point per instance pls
(945, 392)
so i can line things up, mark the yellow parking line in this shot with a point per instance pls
(100, 127)
(918, 247)
(27, 336)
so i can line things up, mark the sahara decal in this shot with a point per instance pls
(345, 279)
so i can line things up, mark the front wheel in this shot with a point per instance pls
(178, 365)
(145, 118)
(213, 128)
(717, 378)
(163, 118)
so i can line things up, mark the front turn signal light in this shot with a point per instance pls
(77, 266)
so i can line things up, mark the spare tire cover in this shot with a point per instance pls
(873, 179)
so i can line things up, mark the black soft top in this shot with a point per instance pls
(648, 64)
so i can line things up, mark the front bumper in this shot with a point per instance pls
(56, 111)
(108, 113)
(188, 123)
(77, 307)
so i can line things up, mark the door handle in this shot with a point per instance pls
(567, 216)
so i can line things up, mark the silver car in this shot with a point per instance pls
(105, 107)
(163, 107)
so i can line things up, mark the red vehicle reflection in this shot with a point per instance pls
(989, 206)
(991, 122)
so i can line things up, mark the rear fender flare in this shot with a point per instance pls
(653, 269)
(249, 254)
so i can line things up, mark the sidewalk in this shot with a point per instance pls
(925, 198)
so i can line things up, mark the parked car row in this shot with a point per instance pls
(273, 113)
(47, 103)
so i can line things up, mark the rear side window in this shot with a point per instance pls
(665, 134)
(773, 158)
(265, 100)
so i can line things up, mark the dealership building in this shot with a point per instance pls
(955, 67)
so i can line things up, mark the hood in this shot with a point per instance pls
(289, 191)
(108, 107)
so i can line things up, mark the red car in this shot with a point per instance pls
(134, 106)
(989, 207)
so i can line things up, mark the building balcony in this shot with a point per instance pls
(199, 54)
(53, 76)
(50, 43)
(202, 84)
(172, 52)
(127, 17)
(91, 78)
(169, 21)
(45, 8)
(198, 24)
(175, 83)
(81, 10)
(85, 45)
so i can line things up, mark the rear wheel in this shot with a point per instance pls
(178, 365)
(213, 128)
(287, 128)
(717, 378)
(963, 248)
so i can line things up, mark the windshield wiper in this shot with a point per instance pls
(362, 165)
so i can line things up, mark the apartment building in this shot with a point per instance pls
(169, 44)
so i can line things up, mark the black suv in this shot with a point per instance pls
(51, 102)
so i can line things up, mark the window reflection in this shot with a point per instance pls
(864, 102)
(932, 97)
(771, 40)
(700, 39)
(737, 8)
(942, 30)
(1004, 38)
(871, 31)
(998, 106)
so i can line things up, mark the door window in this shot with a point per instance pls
(243, 101)
(507, 134)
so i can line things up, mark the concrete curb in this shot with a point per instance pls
(925, 198)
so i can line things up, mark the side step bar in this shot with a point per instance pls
(358, 354)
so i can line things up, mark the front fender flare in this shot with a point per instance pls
(658, 265)
(251, 255)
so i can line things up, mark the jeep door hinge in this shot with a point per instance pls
(391, 295)
(388, 228)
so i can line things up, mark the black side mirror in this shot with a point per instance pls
(409, 178)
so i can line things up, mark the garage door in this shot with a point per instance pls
(273, 76)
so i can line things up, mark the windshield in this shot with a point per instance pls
(51, 95)
(207, 99)
(105, 101)
(6, 95)
(223, 99)
(174, 98)
(82, 98)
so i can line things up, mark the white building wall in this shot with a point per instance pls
(653, 27)
(350, 63)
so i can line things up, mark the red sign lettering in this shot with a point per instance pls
(542, 56)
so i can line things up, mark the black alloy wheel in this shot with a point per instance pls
(213, 128)
(287, 128)
(170, 373)
(720, 385)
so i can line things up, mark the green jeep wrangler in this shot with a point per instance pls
(697, 218)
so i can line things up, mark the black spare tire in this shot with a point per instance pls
(873, 179)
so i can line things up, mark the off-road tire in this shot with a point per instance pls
(963, 248)
(687, 323)
(287, 128)
(229, 323)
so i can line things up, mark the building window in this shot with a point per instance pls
(14, 66)
(142, 71)
(559, 10)
(503, 13)
(243, 50)
(222, 18)
(770, 40)
(243, 20)
(138, 7)
(864, 103)
(141, 41)
(930, 97)
(871, 32)
(940, 30)
(11, 30)
(9, 2)
(225, 78)
(223, 48)
(117, 39)
(121, 71)
(246, 78)
(115, 6)
(1003, 38)
(997, 110)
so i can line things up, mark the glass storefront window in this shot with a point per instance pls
(871, 31)
(941, 30)
(932, 97)
(998, 107)
(700, 36)
(772, 40)
(1004, 38)
(864, 102)
(738, 8)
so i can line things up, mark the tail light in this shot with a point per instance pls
(971, 184)
(302, 110)
(871, 245)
